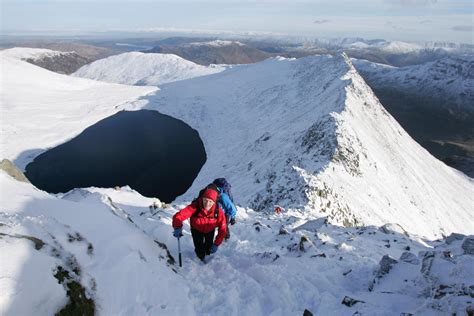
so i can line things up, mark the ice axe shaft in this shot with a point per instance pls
(179, 253)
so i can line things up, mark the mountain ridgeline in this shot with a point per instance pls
(310, 134)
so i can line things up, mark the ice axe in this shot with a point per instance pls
(179, 252)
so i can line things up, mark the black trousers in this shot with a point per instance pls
(202, 242)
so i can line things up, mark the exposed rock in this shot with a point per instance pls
(283, 231)
(470, 291)
(307, 313)
(470, 310)
(312, 225)
(409, 257)
(443, 290)
(385, 265)
(428, 257)
(270, 256)
(448, 254)
(171, 261)
(65, 63)
(78, 302)
(453, 237)
(303, 239)
(468, 246)
(36, 241)
(349, 301)
(393, 229)
(13, 171)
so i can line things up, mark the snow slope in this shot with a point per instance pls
(122, 268)
(450, 79)
(41, 109)
(144, 69)
(310, 134)
(272, 265)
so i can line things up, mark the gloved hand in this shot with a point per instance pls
(178, 232)
(232, 221)
(213, 249)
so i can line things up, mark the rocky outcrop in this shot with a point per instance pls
(409, 257)
(468, 246)
(13, 171)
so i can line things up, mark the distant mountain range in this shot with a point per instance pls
(214, 52)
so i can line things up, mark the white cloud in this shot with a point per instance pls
(321, 21)
(463, 28)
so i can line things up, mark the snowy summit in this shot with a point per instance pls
(144, 69)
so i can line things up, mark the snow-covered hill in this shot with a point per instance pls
(41, 109)
(57, 61)
(310, 134)
(144, 69)
(450, 79)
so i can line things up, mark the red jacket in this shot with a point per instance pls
(204, 222)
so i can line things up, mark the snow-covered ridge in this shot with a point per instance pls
(392, 47)
(310, 134)
(25, 53)
(57, 61)
(145, 69)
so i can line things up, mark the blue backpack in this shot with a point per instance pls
(224, 186)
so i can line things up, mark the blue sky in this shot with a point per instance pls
(427, 20)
